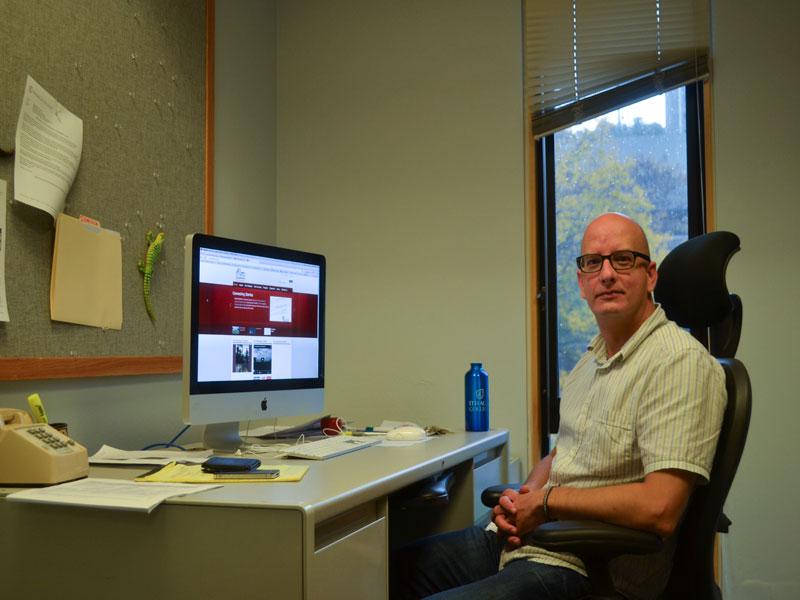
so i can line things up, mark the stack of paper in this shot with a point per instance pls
(108, 455)
(108, 493)
(312, 428)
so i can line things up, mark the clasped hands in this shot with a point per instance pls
(517, 514)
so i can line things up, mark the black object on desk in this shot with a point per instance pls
(254, 475)
(224, 464)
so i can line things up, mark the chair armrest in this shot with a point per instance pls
(437, 491)
(491, 495)
(593, 538)
(582, 537)
(595, 543)
(432, 492)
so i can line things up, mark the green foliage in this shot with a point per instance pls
(592, 179)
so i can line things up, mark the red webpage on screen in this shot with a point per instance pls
(256, 310)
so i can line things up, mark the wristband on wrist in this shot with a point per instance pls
(547, 492)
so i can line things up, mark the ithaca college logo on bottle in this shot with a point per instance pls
(479, 402)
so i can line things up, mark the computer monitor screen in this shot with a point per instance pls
(254, 324)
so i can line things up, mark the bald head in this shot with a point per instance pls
(620, 300)
(615, 229)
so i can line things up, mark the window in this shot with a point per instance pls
(615, 94)
(644, 160)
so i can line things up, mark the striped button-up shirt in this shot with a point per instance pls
(656, 404)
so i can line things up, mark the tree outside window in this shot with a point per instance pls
(634, 161)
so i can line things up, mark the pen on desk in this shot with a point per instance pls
(39, 414)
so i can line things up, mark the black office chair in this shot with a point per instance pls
(692, 290)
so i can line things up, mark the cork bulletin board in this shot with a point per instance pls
(139, 73)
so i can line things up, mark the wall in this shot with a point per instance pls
(244, 145)
(756, 133)
(400, 157)
(130, 412)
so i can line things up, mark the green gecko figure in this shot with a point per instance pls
(154, 244)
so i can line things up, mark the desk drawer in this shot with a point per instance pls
(352, 567)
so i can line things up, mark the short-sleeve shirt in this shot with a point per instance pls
(656, 404)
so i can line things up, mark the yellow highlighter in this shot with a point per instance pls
(37, 408)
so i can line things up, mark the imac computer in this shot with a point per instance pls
(253, 335)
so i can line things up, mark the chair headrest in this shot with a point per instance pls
(691, 285)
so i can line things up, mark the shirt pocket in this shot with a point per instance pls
(611, 443)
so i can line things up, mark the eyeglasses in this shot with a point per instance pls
(621, 260)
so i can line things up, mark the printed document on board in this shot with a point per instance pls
(3, 304)
(49, 143)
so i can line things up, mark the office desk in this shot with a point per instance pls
(327, 536)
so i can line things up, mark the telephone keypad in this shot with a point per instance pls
(45, 438)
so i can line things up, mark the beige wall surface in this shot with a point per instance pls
(400, 157)
(756, 132)
(245, 128)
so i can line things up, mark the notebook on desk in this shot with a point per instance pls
(178, 473)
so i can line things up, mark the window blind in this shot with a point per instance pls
(586, 57)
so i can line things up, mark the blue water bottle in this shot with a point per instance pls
(476, 398)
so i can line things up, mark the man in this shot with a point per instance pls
(640, 418)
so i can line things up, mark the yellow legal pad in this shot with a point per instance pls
(180, 473)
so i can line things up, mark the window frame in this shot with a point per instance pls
(547, 399)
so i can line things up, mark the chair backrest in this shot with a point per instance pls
(693, 565)
(693, 292)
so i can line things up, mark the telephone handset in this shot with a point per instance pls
(35, 453)
(14, 416)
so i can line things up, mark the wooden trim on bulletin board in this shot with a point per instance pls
(19, 369)
(26, 368)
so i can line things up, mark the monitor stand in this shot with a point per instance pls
(222, 437)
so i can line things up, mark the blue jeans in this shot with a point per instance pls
(465, 565)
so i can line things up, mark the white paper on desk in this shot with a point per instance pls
(3, 303)
(312, 427)
(402, 443)
(86, 274)
(49, 143)
(108, 455)
(118, 494)
(386, 426)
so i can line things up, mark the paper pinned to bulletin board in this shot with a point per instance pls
(86, 277)
(49, 146)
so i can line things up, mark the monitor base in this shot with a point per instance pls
(223, 437)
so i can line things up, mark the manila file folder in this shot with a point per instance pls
(86, 277)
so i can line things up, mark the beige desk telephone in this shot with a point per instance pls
(35, 453)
